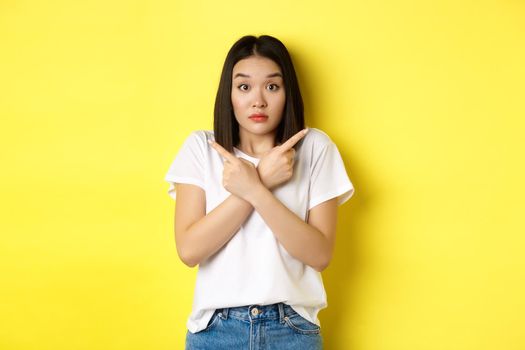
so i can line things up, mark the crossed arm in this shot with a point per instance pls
(199, 235)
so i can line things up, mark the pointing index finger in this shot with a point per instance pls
(227, 155)
(293, 140)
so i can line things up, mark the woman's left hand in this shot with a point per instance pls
(239, 177)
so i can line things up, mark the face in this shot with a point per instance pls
(257, 88)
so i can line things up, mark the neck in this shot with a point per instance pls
(256, 145)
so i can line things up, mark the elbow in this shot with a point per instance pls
(188, 262)
(187, 256)
(322, 265)
(320, 268)
(187, 259)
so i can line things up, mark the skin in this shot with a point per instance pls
(256, 90)
(199, 235)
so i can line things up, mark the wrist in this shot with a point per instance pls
(240, 201)
(261, 177)
(256, 194)
(266, 184)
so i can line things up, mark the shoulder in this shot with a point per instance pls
(199, 138)
(316, 139)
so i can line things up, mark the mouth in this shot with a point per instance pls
(258, 117)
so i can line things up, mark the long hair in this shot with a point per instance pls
(226, 127)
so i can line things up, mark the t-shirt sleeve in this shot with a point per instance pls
(188, 165)
(329, 178)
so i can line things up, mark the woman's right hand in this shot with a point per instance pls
(276, 166)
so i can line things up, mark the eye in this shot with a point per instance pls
(240, 87)
(276, 87)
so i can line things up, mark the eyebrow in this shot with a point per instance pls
(277, 74)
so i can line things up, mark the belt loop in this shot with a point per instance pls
(225, 313)
(281, 312)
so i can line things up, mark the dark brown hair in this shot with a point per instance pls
(226, 127)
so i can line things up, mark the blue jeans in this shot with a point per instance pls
(255, 327)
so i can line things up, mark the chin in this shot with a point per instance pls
(259, 129)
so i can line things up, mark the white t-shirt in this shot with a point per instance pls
(253, 267)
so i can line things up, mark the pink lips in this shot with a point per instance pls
(259, 117)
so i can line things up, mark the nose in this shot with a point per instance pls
(259, 100)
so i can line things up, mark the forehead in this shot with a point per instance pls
(256, 66)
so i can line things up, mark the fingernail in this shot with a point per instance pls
(306, 130)
(210, 142)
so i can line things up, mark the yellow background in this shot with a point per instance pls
(425, 101)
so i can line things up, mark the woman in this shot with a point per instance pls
(257, 208)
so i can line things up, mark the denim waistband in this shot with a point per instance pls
(255, 312)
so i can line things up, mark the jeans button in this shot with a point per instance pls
(255, 312)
